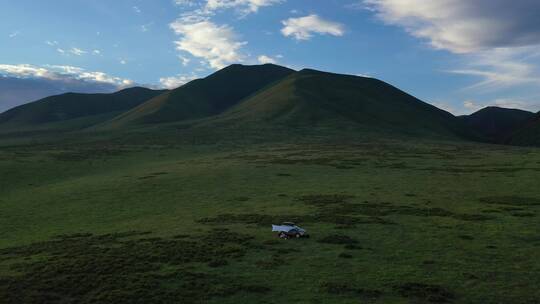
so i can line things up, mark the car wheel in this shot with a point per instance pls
(297, 235)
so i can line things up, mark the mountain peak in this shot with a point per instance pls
(205, 97)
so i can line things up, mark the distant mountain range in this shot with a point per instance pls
(73, 111)
(497, 124)
(527, 134)
(269, 95)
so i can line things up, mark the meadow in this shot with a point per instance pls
(391, 221)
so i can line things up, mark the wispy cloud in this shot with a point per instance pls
(14, 34)
(464, 26)
(498, 40)
(184, 60)
(243, 6)
(77, 52)
(60, 72)
(501, 68)
(145, 27)
(266, 59)
(174, 82)
(303, 28)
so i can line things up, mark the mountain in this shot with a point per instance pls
(204, 97)
(528, 134)
(74, 110)
(312, 98)
(257, 99)
(496, 123)
(18, 91)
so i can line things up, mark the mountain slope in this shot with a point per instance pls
(204, 97)
(495, 123)
(81, 109)
(528, 134)
(312, 98)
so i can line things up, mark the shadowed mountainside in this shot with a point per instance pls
(265, 98)
(313, 98)
(496, 123)
(73, 110)
(528, 134)
(203, 97)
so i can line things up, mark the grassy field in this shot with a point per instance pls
(390, 222)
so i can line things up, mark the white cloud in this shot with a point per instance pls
(217, 45)
(77, 51)
(463, 26)
(51, 43)
(266, 59)
(14, 34)
(136, 9)
(471, 106)
(146, 27)
(244, 6)
(303, 28)
(96, 52)
(61, 51)
(498, 40)
(184, 2)
(176, 81)
(501, 68)
(61, 73)
(365, 75)
(123, 61)
(185, 61)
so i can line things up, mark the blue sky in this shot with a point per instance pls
(457, 54)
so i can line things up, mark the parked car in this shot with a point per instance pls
(289, 230)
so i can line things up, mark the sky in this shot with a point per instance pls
(459, 55)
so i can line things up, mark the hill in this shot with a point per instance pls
(528, 134)
(496, 123)
(73, 110)
(204, 97)
(312, 98)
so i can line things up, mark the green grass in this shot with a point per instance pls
(390, 222)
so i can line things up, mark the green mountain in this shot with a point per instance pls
(258, 99)
(528, 134)
(204, 97)
(73, 110)
(311, 98)
(496, 123)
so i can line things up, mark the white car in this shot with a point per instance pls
(289, 230)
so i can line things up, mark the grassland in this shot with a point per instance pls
(390, 222)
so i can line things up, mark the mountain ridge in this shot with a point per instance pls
(495, 124)
(71, 106)
(265, 97)
(203, 97)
